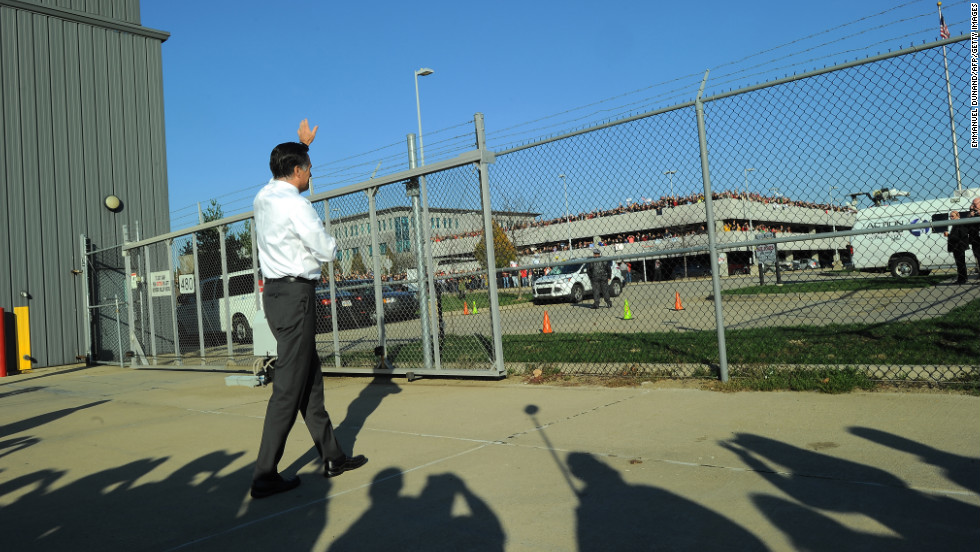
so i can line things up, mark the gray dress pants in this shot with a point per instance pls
(297, 386)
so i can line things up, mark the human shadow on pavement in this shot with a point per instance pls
(959, 469)
(614, 515)
(203, 504)
(813, 486)
(358, 411)
(433, 520)
(41, 419)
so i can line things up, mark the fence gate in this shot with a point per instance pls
(107, 326)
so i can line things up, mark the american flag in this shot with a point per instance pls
(943, 29)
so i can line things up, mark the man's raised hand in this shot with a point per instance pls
(305, 134)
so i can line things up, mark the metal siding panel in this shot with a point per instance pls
(6, 293)
(14, 166)
(89, 177)
(75, 178)
(34, 277)
(158, 146)
(64, 247)
(143, 129)
(45, 272)
(126, 110)
(104, 178)
(116, 143)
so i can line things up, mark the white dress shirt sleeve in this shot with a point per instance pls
(311, 233)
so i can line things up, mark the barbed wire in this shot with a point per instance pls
(393, 158)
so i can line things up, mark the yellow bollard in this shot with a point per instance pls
(22, 315)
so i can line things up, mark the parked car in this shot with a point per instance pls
(353, 309)
(805, 264)
(571, 282)
(217, 311)
(400, 303)
(691, 270)
(738, 268)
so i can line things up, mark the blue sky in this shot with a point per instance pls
(240, 75)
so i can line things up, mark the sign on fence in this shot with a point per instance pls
(186, 284)
(765, 253)
(161, 285)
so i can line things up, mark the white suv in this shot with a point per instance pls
(572, 282)
(215, 307)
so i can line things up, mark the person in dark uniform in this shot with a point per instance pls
(292, 246)
(973, 231)
(958, 242)
(599, 273)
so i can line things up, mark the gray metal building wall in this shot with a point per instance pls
(81, 117)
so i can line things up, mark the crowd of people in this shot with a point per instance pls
(645, 204)
(665, 202)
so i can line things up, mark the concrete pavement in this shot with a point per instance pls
(105, 458)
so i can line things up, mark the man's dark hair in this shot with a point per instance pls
(287, 156)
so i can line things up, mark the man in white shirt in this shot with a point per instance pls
(292, 245)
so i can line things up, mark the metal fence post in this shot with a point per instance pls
(376, 270)
(412, 190)
(712, 245)
(229, 340)
(128, 290)
(149, 306)
(119, 334)
(87, 329)
(335, 325)
(481, 144)
(429, 278)
(197, 294)
(173, 300)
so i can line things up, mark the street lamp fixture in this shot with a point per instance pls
(671, 175)
(568, 221)
(418, 109)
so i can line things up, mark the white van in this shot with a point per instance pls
(908, 252)
(241, 305)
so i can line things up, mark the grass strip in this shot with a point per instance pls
(850, 284)
(951, 339)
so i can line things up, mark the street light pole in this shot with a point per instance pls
(831, 197)
(418, 109)
(568, 221)
(744, 199)
(671, 176)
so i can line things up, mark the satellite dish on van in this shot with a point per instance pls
(878, 197)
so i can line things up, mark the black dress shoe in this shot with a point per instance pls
(262, 488)
(347, 463)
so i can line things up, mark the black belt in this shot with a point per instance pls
(293, 280)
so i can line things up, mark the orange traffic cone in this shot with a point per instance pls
(466, 309)
(677, 302)
(547, 323)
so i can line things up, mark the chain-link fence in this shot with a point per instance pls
(800, 223)
(108, 326)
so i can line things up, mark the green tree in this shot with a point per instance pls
(238, 245)
(357, 264)
(503, 249)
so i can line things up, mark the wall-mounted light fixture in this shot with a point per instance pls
(113, 203)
